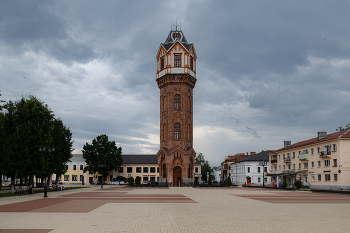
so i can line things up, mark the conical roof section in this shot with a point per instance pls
(176, 36)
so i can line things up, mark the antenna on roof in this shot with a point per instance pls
(176, 23)
(180, 26)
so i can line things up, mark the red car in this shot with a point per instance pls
(54, 182)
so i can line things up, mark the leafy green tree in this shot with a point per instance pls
(210, 181)
(138, 180)
(62, 141)
(228, 181)
(205, 166)
(102, 156)
(345, 128)
(131, 181)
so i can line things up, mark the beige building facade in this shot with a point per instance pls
(320, 163)
(145, 166)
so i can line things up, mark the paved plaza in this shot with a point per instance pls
(122, 209)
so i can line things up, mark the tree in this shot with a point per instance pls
(138, 180)
(205, 166)
(62, 141)
(345, 128)
(228, 181)
(102, 156)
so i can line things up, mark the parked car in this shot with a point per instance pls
(113, 183)
(152, 182)
(54, 182)
(96, 182)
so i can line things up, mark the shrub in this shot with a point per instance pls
(297, 184)
(284, 185)
(228, 182)
(210, 181)
(138, 180)
(131, 181)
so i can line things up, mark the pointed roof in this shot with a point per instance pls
(173, 37)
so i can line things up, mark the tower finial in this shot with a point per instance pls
(176, 23)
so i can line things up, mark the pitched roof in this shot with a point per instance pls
(174, 36)
(262, 156)
(140, 159)
(340, 134)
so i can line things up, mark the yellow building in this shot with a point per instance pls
(145, 166)
(321, 163)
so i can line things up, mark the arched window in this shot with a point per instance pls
(177, 130)
(177, 101)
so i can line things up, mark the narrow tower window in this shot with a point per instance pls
(177, 101)
(177, 130)
(191, 63)
(177, 59)
(162, 63)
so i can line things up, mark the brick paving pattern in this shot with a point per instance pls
(174, 209)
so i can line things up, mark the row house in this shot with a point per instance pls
(322, 162)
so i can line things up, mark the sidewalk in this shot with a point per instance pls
(185, 209)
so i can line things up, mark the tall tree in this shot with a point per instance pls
(345, 128)
(205, 166)
(102, 156)
(62, 141)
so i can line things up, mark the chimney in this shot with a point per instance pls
(252, 153)
(321, 135)
(287, 144)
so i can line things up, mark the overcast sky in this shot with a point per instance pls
(267, 71)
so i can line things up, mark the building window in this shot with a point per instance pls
(289, 167)
(177, 59)
(312, 177)
(74, 178)
(293, 155)
(288, 155)
(145, 169)
(327, 163)
(335, 163)
(327, 177)
(334, 147)
(305, 165)
(81, 167)
(177, 131)
(138, 169)
(248, 170)
(162, 63)
(265, 169)
(191, 63)
(177, 102)
(196, 169)
(318, 150)
(258, 169)
(312, 151)
(335, 177)
(66, 177)
(318, 163)
(157, 169)
(300, 152)
(284, 167)
(319, 177)
(293, 166)
(120, 169)
(145, 179)
(74, 167)
(279, 167)
(129, 169)
(312, 164)
(275, 168)
(279, 157)
(259, 179)
(272, 168)
(299, 165)
(153, 170)
(284, 156)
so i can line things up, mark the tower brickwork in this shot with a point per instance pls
(176, 78)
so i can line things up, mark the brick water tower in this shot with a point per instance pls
(176, 78)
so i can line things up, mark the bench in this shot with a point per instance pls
(55, 186)
(20, 190)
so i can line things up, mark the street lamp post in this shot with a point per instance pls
(166, 177)
(49, 150)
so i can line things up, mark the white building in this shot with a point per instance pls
(217, 173)
(250, 170)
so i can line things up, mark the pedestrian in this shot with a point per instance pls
(178, 183)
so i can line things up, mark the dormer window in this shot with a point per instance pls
(177, 60)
